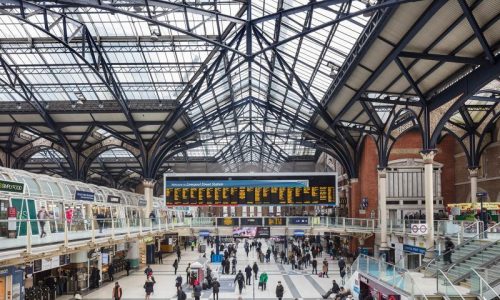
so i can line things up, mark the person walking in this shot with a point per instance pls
(197, 291)
(448, 250)
(175, 265)
(263, 280)
(255, 269)
(280, 290)
(248, 273)
(148, 270)
(240, 279)
(188, 270)
(233, 270)
(100, 221)
(341, 264)
(149, 287)
(127, 267)
(117, 291)
(42, 216)
(342, 275)
(215, 288)
(178, 253)
(192, 245)
(178, 282)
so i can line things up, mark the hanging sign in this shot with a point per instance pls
(84, 196)
(113, 199)
(419, 229)
(12, 187)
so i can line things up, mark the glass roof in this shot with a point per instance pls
(245, 111)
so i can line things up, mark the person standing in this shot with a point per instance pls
(42, 216)
(111, 272)
(175, 265)
(181, 295)
(100, 221)
(178, 253)
(240, 279)
(188, 270)
(160, 256)
(127, 267)
(215, 288)
(192, 246)
(280, 290)
(314, 266)
(149, 287)
(263, 280)
(255, 269)
(248, 273)
(341, 264)
(197, 291)
(325, 268)
(342, 275)
(117, 291)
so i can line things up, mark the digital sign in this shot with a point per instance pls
(194, 189)
(228, 222)
(275, 221)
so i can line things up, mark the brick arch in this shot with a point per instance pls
(395, 132)
(23, 154)
(95, 150)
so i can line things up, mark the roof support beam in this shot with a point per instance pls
(445, 58)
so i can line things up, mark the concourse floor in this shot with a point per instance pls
(298, 284)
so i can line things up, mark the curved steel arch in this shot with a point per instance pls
(98, 59)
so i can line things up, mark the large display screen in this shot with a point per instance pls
(228, 189)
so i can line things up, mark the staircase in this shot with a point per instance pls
(484, 256)
(490, 273)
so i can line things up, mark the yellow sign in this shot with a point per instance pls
(487, 205)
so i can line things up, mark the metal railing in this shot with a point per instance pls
(387, 273)
(446, 287)
(480, 287)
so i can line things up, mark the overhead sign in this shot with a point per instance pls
(235, 183)
(228, 222)
(275, 221)
(419, 229)
(11, 187)
(84, 196)
(251, 221)
(204, 233)
(413, 249)
(113, 199)
(298, 221)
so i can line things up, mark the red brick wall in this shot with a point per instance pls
(407, 146)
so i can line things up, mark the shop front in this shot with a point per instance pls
(370, 288)
(11, 283)
(50, 277)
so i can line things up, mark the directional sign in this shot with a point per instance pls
(298, 221)
(419, 229)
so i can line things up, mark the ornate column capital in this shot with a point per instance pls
(473, 171)
(149, 183)
(382, 172)
(428, 156)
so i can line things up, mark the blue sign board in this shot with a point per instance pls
(413, 249)
(298, 221)
(84, 196)
(234, 183)
(204, 233)
(299, 233)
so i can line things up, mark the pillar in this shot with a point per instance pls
(148, 195)
(133, 254)
(382, 205)
(428, 157)
(473, 172)
(355, 197)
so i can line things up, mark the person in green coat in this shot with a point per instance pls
(263, 280)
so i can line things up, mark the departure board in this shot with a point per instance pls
(250, 189)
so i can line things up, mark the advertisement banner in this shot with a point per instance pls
(244, 232)
(263, 232)
(84, 196)
(11, 187)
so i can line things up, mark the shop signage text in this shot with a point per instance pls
(113, 199)
(84, 196)
(413, 249)
(12, 187)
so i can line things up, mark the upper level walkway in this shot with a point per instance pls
(78, 235)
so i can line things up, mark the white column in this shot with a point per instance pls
(473, 172)
(148, 195)
(428, 157)
(382, 204)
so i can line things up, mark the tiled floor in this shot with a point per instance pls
(297, 284)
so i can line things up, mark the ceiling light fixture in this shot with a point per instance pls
(155, 31)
